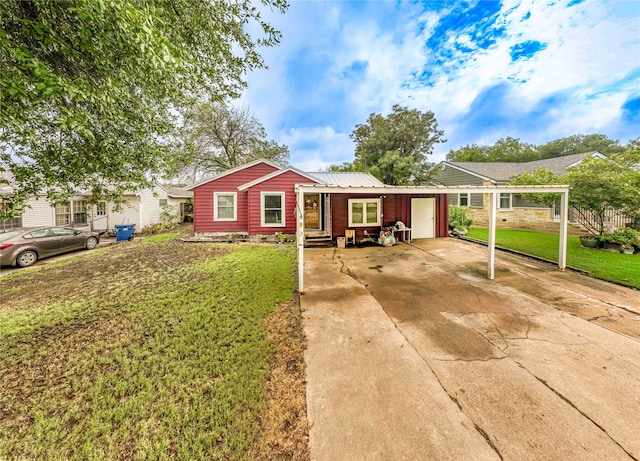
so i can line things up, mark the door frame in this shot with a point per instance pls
(320, 211)
(432, 230)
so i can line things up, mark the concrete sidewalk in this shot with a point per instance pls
(413, 355)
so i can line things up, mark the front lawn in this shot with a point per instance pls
(153, 349)
(614, 267)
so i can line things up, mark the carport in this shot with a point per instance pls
(492, 191)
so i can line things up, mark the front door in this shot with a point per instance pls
(312, 212)
(423, 218)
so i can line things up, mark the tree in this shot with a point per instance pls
(513, 150)
(597, 186)
(541, 176)
(90, 89)
(344, 166)
(630, 181)
(504, 150)
(469, 153)
(218, 137)
(578, 144)
(395, 148)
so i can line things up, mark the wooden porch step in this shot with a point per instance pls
(318, 241)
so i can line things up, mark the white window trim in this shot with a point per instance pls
(68, 214)
(215, 206)
(468, 205)
(364, 201)
(101, 209)
(510, 201)
(262, 210)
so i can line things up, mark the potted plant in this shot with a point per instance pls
(631, 241)
(282, 238)
(627, 249)
(589, 241)
(262, 237)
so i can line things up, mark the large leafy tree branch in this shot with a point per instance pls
(395, 148)
(217, 137)
(91, 90)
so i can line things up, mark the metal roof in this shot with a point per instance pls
(346, 179)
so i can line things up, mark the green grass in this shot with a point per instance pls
(614, 267)
(152, 350)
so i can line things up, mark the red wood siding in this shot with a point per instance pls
(282, 183)
(203, 200)
(394, 208)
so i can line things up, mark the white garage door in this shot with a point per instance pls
(423, 218)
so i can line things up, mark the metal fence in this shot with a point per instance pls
(610, 219)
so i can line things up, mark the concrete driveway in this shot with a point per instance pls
(413, 354)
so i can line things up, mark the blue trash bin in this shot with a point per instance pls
(124, 232)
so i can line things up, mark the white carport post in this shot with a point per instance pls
(300, 236)
(564, 218)
(491, 262)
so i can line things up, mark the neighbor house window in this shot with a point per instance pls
(272, 206)
(463, 199)
(504, 201)
(224, 206)
(14, 222)
(163, 202)
(79, 212)
(364, 212)
(10, 223)
(63, 213)
(101, 209)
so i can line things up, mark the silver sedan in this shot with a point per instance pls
(22, 247)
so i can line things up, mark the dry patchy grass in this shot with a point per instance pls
(154, 349)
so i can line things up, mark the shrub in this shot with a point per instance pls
(459, 220)
(626, 236)
(169, 218)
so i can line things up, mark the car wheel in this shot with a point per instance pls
(91, 243)
(26, 258)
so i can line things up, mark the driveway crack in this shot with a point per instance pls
(582, 413)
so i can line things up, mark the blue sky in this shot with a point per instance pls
(535, 70)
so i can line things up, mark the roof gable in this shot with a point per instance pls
(232, 171)
(262, 179)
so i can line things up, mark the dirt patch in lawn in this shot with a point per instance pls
(285, 434)
(95, 292)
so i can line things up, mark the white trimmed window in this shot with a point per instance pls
(79, 212)
(69, 213)
(63, 213)
(101, 209)
(225, 206)
(463, 199)
(504, 201)
(272, 209)
(364, 212)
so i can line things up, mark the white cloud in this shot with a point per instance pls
(314, 149)
(589, 48)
